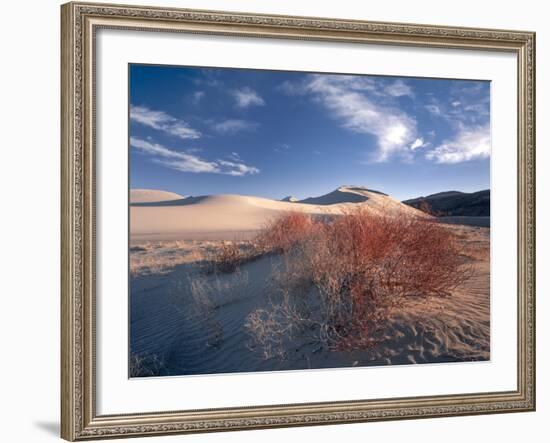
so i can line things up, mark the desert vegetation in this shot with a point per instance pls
(360, 287)
(162, 257)
(283, 233)
(145, 365)
(341, 280)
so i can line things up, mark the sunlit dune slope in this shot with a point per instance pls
(174, 216)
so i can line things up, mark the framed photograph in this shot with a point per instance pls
(282, 221)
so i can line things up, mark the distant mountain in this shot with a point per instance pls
(454, 203)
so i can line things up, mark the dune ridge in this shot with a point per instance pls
(177, 217)
(152, 196)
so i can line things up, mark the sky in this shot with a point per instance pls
(201, 131)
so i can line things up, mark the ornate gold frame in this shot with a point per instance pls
(79, 420)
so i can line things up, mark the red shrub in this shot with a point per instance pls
(371, 263)
(361, 266)
(405, 255)
(284, 232)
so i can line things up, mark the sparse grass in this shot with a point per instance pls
(158, 258)
(146, 365)
(228, 256)
(342, 279)
(476, 251)
(279, 235)
(209, 293)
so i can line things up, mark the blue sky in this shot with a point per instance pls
(200, 131)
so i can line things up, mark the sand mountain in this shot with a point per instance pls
(290, 199)
(343, 194)
(152, 196)
(228, 216)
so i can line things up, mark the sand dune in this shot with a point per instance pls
(152, 195)
(290, 199)
(344, 194)
(445, 329)
(169, 321)
(193, 320)
(232, 216)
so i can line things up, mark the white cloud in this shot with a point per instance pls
(480, 109)
(182, 161)
(355, 83)
(467, 104)
(292, 88)
(197, 96)
(209, 77)
(187, 162)
(246, 97)
(237, 169)
(232, 126)
(281, 147)
(234, 156)
(162, 121)
(434, 109)
(467, 114)
(344, 96)
(418, 143)
(468, 144)
(398, 89)
(368, 105)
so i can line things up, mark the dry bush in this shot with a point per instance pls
(160, 258)
(146, 365)
(278, 236)
(284, 232)
(210, 293)
(426, 207)
(229, 256)
(403, 255)
(341, 283)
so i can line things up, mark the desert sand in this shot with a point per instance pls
(173, 217)
(192, 323)
(452, 328)
(152, 195)
(186, 321)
